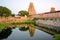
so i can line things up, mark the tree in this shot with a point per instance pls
(13, 15)
(23, 13)
(4, 11)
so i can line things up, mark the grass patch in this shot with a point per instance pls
(3, 25)
(57, 37)
(24, 22)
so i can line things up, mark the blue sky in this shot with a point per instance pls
(41, 6)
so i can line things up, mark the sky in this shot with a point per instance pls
(41, 6)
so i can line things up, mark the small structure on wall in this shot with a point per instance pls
(52, 9)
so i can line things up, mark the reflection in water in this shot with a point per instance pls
(24, 32)
(5, 33)
(23, 28)
(31, 30)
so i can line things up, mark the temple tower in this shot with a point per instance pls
(31, 9)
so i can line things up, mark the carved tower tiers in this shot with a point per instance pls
(31, 9)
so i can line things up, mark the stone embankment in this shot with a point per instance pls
(51, 24)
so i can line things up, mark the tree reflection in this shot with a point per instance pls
(23, 28)
(5, 33)
(30, 28)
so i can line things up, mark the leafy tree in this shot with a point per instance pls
(4, 11)
(23, 13)
(13, 15)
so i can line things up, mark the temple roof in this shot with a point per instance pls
(52, 12)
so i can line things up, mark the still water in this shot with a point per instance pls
(24, 32)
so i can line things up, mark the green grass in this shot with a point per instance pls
(57, 37)
(25, 22)
(3, 25)
(28, 21)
